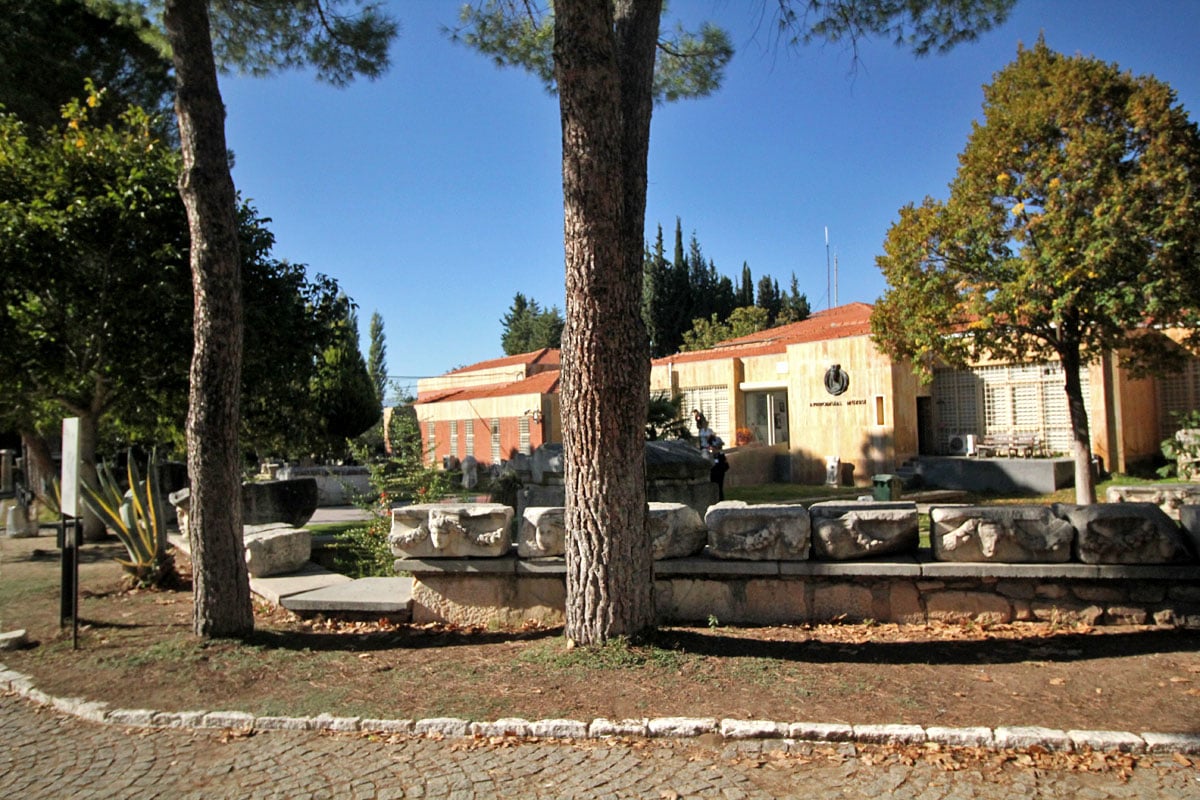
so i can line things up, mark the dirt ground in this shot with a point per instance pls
(136, 650)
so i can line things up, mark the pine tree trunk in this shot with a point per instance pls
(221, 585)
(1081, 445)
(605, 352)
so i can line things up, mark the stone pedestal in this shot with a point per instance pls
(1013, 534)
(843, 531)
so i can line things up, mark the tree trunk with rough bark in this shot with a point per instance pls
(604, 60)
(221, 584)
(1081, 435)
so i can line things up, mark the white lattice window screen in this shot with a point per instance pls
(495, 441)
(469, 425)
(523, 435)
(431, 443)
(454, 437)
(1178, 393)
(713, 402)
(1017, 398)
(956, 394)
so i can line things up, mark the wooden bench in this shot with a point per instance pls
(1025, 445)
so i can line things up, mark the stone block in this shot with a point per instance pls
(1024, 737)
(676, 530)
(488, 600)
(696, 600)
(904, 603)
(1189, 520)
(842, 601)
(953, 606)
(765, 532)
(451, 530)
(1066, 613)
(1124, 533)
(543, 532)
(275, 549)
(1016, 534)
(1170, 497)
(1126, 615)
(774, 602)
(842, 531)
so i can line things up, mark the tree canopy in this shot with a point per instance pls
(528, 327)
(1072, 226)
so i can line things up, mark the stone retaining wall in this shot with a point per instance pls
(510, 591)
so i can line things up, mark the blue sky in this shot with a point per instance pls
(434, 194)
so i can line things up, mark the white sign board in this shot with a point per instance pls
(70, 467)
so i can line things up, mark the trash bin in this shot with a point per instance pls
(887, 487)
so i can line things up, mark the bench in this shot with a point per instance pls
(1025, 445)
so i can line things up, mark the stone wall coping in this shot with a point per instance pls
(895, 567)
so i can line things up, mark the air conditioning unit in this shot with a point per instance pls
(961, 444)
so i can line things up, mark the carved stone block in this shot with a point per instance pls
(543, 532)
(764, 532)
(676, 530)
(450, 530)
(1124, 533)
(1012, 534)
(842, 531)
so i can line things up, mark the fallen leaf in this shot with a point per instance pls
(1058, 681)
(1182, 760)
(1180, 680)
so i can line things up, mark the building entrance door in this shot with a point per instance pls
(767, 416)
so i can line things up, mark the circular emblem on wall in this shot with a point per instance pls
(837, 380)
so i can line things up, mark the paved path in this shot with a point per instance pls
(45, 754)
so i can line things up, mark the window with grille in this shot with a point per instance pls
(523, 435)
(431, 443)
(1178, 393)
(454, 438)
(469, 425)
(495, 441)
(713, 403)
(1010, 398)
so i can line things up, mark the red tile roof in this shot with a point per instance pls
(542, 383)
(852, 319)
(547, 356)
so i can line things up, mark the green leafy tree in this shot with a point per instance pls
(93, 258)
(528, 327)
(666, 418)
(768, 298)
(346, 403)
(794, 304)
(259, 37)
(742, 322)
(602, 59)
(377, 356)
(1072, 226)
(745, 294)
(48, 48)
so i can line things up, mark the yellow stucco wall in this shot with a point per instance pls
(857, 426)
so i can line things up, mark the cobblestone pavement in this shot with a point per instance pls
(46, 754)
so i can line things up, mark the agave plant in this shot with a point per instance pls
(137, 520)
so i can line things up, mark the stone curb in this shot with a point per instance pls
(731, 730)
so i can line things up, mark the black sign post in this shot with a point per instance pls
(69, 539)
